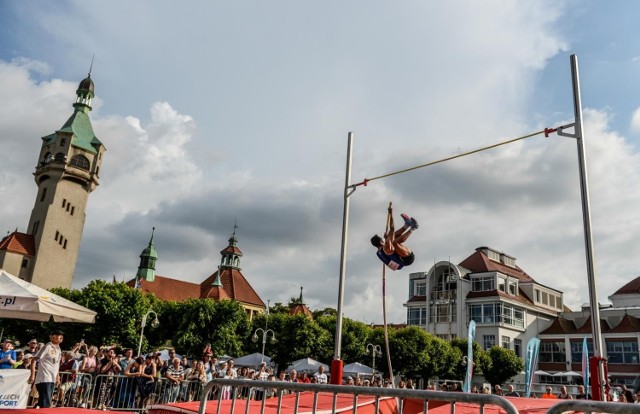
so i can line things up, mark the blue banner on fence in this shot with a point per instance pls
(530, 364)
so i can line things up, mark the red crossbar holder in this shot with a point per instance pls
(548, 131)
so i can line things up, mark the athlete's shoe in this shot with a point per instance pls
(407, 220)
(414, 224)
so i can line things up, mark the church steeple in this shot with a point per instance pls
(148, 258)
(231, 254)
(85, 93)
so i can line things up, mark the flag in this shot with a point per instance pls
(466, 387)
(530, 364)
(585, 365)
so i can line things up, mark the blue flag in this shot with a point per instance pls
(530, 364)
(466, 387)
(585, 365)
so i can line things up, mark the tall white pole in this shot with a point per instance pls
(337, 365)
(586, 218)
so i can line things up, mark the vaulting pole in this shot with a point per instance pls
(586, 218)
(337, 363)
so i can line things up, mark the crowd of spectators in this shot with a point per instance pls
(103, 377)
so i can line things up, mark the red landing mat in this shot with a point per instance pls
(59, 410)
(344, 404)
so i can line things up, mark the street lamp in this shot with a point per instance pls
(265, 333)
(375, 350)
(154, 324)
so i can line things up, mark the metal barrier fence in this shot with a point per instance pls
(266, 389)
(588, 407)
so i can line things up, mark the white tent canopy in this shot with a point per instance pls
(567, 374)
(22, 300)
(252, 360)
(357, 368)
(307, 364)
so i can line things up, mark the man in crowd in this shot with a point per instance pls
(321, 377)
(175, 375)
(47, 375)
(7, 355)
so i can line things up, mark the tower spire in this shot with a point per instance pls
(148, 258)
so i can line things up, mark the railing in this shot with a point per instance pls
(265, 389)
(587, 406)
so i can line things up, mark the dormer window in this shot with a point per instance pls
(482, 283)
(81, 162)
(513, 287)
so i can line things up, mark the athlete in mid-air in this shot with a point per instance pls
(391, 249)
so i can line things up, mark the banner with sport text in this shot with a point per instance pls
(14, 389)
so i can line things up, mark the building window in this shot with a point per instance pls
(72, 210)
(43, 194)
(25, 262)
(483, 283)
(34, 230)
(64, 245)
(506, 342)
(63, 142)
(517, 347)
(552, 352)
(545, 298)
(57, 235)
(502, 282)
(576, 351)
(488, 341)
(64, 202)
(622, 352)
(80, 161)
(421, 288)
(537, 294)
(417, 316)
(513, 288)
(443, 313)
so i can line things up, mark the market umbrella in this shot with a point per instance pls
(23, 300)
(357, 368)
(252, 360)
(541, 372)
(307, 364)
(567, 374)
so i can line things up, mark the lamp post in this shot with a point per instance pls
(154, 324)
(265, 333)
(374, 350)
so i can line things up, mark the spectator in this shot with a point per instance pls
(127, 359)
(366, 383)
(32, 347)
(109, 366)
(350, 380)
(549, 394)
(185, 363)
(636, 398)
(581, 395)
(304, 378)
(67, 377)
(454, 387)
(175, 375)
(320, 376)
(262, 373)
(564, 395)
(208, 366)
(497, 390)
(511, 392)
(147, 378)
(402, 384)
(474, 389)
(410, 384)
(129, 383)
(627, 393)
(293, 376)
(486, 390)
(19, 359)
(7, 355)
(47, 375)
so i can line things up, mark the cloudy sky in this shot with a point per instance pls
(217, 111)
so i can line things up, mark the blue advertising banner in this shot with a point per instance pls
(466, 387)
(530, 364)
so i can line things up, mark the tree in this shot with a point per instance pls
(480, 358)
(503, 365)
(223, 324)
(355, 336)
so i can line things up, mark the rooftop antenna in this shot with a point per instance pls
(91, 67)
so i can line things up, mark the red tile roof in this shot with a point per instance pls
(300, 308)
(166, 288)
(630, 288)
(586, 328)
(20, 243)
(627, 324)
(479, 262)
(560, 325)
(235, 286)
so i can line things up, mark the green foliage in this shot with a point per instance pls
(502, 365)
(480, 358)
(223, 324)
(355, 336)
